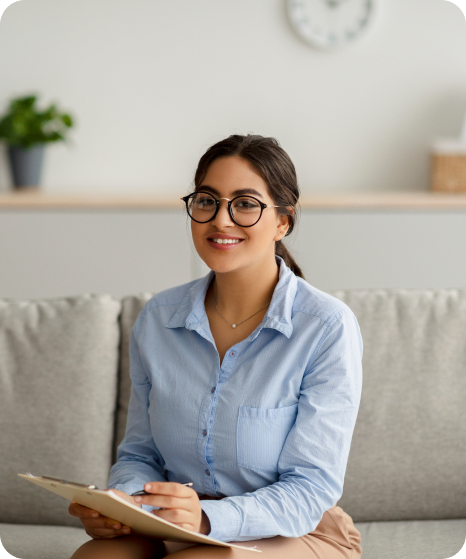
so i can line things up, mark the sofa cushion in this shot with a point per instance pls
(41, 542)
(424, 539)
(58, 379)
(131, 307)
(408, 455)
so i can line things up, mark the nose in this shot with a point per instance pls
(223, 217)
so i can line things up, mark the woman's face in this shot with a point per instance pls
(229, 177)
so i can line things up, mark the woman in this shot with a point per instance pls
(246, 382)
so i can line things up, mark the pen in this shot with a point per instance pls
(189, 484)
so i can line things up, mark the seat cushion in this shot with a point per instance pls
(424, 539)
(380, 540)
(408, 455)
(58, 382)
(41, 542)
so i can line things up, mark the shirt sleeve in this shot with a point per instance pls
(138, 459)
(313, 460)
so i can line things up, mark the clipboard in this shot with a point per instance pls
(108, 503)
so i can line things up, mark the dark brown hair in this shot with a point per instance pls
(275, 167)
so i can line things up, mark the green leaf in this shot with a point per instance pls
(67, 120)
(24, 102)
(25, 125)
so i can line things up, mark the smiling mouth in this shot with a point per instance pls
(226, 241)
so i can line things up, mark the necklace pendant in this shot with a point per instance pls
(233, 325)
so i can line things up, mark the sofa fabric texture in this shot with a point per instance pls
(130, 308)
(408, 455)
(58, 364)
(429, 539)
(65, 387)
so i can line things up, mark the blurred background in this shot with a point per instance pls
(151, 84)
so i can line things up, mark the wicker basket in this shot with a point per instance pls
(449, 165)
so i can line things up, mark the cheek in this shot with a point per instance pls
(264, 231)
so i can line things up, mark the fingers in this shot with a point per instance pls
(97, 525)
(169, 488)
(178, 504)
(163, 501)
(107, 530)
(82, 512)
(166, 495)
(180, 517)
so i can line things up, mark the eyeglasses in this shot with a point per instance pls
(245, 211)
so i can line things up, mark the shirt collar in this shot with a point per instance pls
(191, 311)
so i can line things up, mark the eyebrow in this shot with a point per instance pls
(235, 193)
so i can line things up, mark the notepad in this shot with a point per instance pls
(109, 504)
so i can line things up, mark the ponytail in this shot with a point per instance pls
(282, 252)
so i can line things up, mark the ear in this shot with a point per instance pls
(283, 224)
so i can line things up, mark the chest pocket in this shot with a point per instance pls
(261, 434)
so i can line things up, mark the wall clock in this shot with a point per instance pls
(331, 24)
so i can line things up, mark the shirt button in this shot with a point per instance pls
(233, 353)
(213, 390)
(207, 472)
(204, 432)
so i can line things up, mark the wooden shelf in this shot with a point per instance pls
(45, 201)
(386, 201)
(345, 201)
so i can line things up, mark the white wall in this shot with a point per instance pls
(154, 82)
(61, 253)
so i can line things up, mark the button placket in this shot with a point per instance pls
(224, 372)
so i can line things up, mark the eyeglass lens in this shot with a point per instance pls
(245, 210)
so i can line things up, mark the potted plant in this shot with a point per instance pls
(26, 130)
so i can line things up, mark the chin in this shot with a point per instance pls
(219, 264)
(220, 267)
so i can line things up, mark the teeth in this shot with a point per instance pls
(226, 241)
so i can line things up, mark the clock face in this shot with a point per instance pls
(330, 24)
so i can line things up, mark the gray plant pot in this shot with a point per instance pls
(26, 165)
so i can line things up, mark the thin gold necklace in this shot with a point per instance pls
(235, 325)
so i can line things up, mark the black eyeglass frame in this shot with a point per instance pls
(230, 202)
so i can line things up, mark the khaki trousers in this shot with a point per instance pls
(334, 538)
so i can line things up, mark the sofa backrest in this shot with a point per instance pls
(130, 308)
(58, 383)
(408, 455)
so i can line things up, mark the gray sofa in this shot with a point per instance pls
(64, 388)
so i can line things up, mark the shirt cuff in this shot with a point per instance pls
(225, 519)
(130, 488)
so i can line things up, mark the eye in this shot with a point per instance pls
(246, 205)
(204, 201)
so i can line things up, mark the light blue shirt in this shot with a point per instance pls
(270, 427)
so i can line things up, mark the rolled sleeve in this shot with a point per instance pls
(225, 519)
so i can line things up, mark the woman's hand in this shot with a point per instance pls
(98, 526)
(178, 504)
